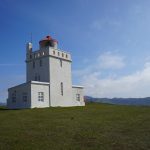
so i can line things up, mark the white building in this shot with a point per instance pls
(48, 79)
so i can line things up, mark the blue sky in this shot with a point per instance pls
(109, 41)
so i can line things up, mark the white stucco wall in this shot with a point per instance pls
(20, 89)
(38, 70)
(39, 87)
(60, 74)
(78, 90)
(43, 55)
(31, 88)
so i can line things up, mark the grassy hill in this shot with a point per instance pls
(94, 127)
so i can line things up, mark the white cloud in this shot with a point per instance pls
(111, 61)
(105, 61)
(132, 85)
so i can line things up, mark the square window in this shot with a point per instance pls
(78, 97)
(24, 97)
(14, 97)
(41, 96)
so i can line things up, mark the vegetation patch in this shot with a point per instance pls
(93, 127)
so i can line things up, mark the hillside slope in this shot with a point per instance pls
(93, 127)
(120, 101)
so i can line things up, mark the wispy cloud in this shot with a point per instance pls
(133, 85)
(109, 60)
(136, 84)
(105, 61)
(101, 24)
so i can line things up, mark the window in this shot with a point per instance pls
(62, 54)
(33, 64)
(61, 86)
(78, 97)
(30, 56)
(58, 53)
(66, 56)
(24, 97)
(14, 97)
(35, 78)
(41, 63)
(54, 52)
(39, 78)
(60, 63)
(41, 96)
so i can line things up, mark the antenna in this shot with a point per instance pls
(31, 37)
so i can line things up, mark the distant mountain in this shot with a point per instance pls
(2, 104)
(120, 101)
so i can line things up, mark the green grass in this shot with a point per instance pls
(93, 127)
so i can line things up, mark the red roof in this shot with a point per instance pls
(48, 38)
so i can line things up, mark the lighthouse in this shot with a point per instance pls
(48, 79)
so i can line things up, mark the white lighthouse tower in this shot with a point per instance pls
(48, 79)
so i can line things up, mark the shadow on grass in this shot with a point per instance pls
(6, 109)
